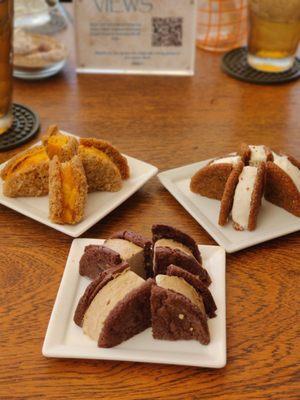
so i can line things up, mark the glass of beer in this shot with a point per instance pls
(6, 29)
(274, 34)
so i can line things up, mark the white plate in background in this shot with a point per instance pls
(99, 204)
(272, 221)
(64, 339)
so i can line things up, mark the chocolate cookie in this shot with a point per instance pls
(97, 259)
(164, 256)
(208, 300)
(175, 317)
(160, 231)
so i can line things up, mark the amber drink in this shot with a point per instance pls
(274, 34)
(6, 25)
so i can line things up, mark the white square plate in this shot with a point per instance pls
(64, 339)
(272, 221)
(99, 204)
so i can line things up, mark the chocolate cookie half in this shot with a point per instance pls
(171, 246)
(134, 249)
(115, 307)
(203, 291)
(96, 259)
(177, 311)
(124, 246)
(210, 180)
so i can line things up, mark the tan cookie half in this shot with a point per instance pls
(65, 151)
(111, 152)
(281, 190)
(257, 195)
(210, 181)
(56, 198)
(228, 195)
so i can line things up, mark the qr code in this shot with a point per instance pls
(167, 32)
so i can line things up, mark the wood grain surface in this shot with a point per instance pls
(168, 122)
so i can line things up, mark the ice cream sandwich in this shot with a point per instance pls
(210, 181)
(67, 191)
(27, 173)
(283, 183)
(60, 145)
(122, 247)
(104, 165)
(242, 196)
(203, 291)
(254, 154)
(114, 307)
(177, 310)
(171, 246)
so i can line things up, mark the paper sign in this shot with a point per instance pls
(136, 36)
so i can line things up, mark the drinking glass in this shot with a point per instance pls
(221, 24)
(274, 33)
(6, 26)
(32, 12)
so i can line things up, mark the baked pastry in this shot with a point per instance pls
(60, 145)
(115, 307)
(122, 247)
(67, 191)
(228, 195)
(242, 196)
(35, 51)
(104, 165)
(26, 174)
(177, 311)
(134, 249)
(97, 259)
(210, 181)
(171, 246)
(283, 183)
(203, 291)
(253, 155)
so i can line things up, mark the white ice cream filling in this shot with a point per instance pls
(242, 196)
(227, 160)
(106, 299)
(258, 154)
(293, 172)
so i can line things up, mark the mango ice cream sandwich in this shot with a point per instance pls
(60, 145)
(104, 165)
(27, 174)
(67, 191)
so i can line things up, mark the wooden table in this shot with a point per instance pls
(168, 122)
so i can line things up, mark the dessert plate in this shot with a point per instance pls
(64, 339)
(99, 204)
(272, 221)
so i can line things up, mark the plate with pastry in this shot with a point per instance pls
(70, 183)
(37, 56)
(130, 298)
(243, 198)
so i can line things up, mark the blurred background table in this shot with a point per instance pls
(169, 122)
